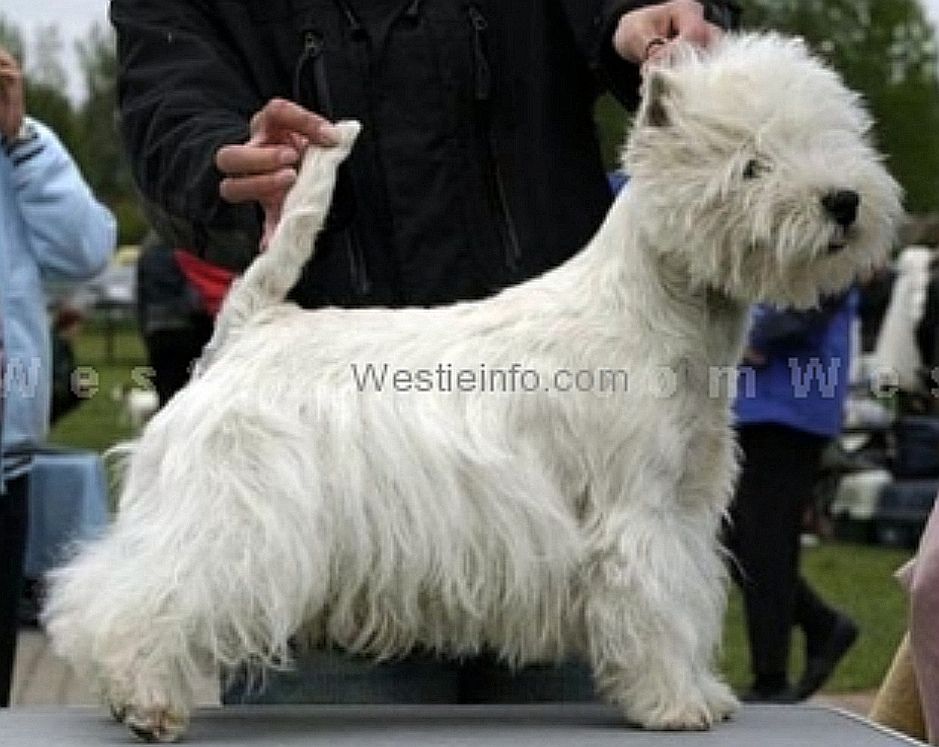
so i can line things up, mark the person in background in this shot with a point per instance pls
(171, 315)
(478, 167)
(66, 326)
(50, 226)
(790, 403)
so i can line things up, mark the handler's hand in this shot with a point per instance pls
(11, 95)
(265, 167)
(645, 33)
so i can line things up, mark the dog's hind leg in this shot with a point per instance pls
(209, 565)
(653, 610)
(108, 613)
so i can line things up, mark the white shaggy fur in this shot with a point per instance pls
(272, 496)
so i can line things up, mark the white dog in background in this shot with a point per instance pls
(137, 405)
(274, 496)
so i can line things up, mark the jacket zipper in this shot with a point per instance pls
(482, 82)
(313, 52)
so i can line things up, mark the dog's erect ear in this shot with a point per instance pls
(658, 92)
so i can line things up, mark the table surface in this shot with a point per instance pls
(519, 726)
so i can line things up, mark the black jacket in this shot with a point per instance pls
(478, 165)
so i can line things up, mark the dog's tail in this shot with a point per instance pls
(274, 272)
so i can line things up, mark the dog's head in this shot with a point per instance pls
(755, 163)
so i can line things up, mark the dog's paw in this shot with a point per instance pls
(720, 700)
(691, 710)
(689, 716)
(118, 711)
(155, 724)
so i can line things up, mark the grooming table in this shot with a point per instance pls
(577, 725)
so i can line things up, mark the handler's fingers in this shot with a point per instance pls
(648, 33)
(698, 32)
(263, 188)
(689, 23)
(299, 142)
(639, 31)
(279, 116)
(7, 59)
(10, 73)
(248, 159)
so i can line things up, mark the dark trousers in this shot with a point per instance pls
(171, 354)
(779, 468)
(13, 526)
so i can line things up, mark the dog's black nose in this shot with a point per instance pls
(842, 206)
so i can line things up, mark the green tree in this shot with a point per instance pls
(100, 151)
(52, 107)
(44, 78)
(11, 38)
(887, 51)
(45, 65)
(45, 84)
(89, 130)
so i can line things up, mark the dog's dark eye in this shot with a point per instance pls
(754, 168)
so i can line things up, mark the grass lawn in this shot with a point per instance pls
(856, 578)
(96, 424)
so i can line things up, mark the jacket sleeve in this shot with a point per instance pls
(70, 234)
(182, 94)
(595, 22)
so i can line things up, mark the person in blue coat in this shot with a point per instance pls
(790, 398)
(51, 227)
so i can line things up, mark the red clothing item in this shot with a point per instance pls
(210, 281)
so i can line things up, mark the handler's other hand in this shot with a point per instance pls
(264, 168)
(645, 34)
(11, 95)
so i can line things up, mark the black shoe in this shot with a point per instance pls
(819, 668)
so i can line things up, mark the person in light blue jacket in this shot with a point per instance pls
(51, 227)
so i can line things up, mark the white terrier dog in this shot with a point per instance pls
(276, 496)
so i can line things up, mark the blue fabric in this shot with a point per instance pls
(68, 503)
(804, 382)
(617, 179)
(51, 227)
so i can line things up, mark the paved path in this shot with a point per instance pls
(43, 679)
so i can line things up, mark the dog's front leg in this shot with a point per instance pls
(653, 611)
